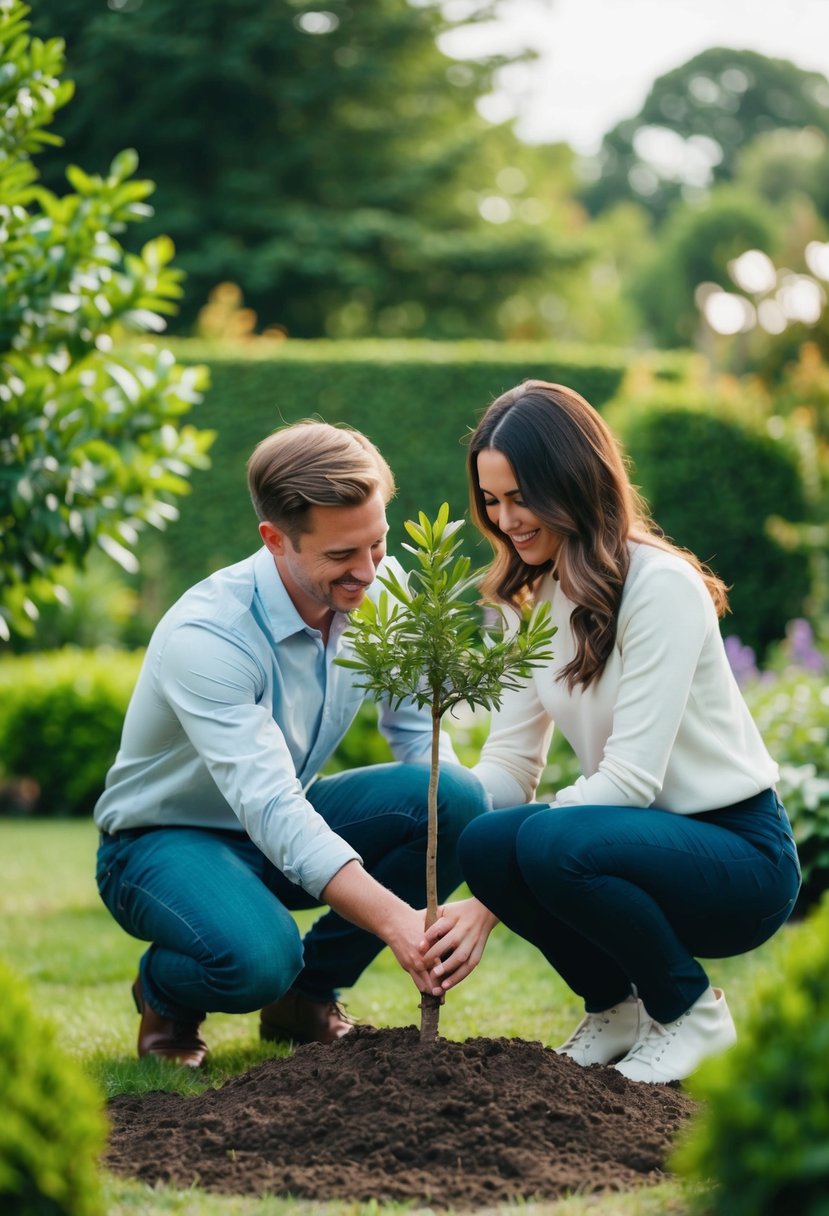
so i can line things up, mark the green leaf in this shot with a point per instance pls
(124, 164)
(417, 534)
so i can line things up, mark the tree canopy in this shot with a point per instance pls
(695, 122)
(327, 162)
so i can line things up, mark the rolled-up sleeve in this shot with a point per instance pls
(214, 685)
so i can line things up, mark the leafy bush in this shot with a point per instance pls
(91, 449)
(792, 714)
(762, 1135)
(61, 715)
(52, 1128)
(713, 482)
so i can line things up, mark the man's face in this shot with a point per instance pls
(334, 562)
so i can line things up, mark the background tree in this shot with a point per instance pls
(326, 161)
(695, 122)
(695, 246)
(90, 447)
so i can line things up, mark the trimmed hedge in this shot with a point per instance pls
(52, 1128)
(712, 482)
(415, 400)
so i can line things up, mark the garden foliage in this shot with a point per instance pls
(713, 482)
(91, 449)
(792, 713)
(61, 715)
(763, 1132)
(52, 1129)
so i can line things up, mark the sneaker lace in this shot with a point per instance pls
(587, 1029)
(655, 1040)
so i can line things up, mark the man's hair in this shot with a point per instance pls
(310, 464)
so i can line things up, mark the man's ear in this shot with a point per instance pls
(274, 539)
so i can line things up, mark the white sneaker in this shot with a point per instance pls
(601, 1038)
(673, 1051)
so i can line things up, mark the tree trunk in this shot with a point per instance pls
(430, 1005)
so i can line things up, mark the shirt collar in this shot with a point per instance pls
(283, 618)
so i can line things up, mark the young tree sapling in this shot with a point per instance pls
(424, 640)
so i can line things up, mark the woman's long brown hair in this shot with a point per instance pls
(571, 473)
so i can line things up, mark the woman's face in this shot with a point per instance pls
(531, 538)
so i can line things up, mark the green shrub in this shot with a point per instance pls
(416, 400)
(763, 1135)
(52, 1127)
(61, 714)
(792, 715)
(712, 482)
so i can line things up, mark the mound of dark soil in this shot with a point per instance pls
(380, 1116)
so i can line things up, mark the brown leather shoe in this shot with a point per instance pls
(177, 1042)
(298, 1019)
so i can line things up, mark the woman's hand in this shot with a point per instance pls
(403, 934)
(453, 946)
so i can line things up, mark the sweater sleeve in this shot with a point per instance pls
(513, 757)
(662, 629)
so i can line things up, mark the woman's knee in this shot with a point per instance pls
(549, 848)
(486, 849)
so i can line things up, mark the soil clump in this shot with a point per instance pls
(379, 1116)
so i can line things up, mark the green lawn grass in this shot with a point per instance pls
(79, 965)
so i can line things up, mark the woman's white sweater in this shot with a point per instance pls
(665, 725)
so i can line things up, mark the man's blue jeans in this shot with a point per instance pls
(620, 896)
(217, 912)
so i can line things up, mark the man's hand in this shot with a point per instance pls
(405, 939)
(366, 903)
(453, 946)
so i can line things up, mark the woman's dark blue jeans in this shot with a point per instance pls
(618, 898)
(217, 912)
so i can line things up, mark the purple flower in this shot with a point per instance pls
(801, 647)
(742, 660)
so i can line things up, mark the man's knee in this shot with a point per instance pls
(255, 973)
(461, 800)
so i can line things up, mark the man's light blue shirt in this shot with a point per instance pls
(237, 708)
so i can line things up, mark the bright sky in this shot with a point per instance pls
(600, 57)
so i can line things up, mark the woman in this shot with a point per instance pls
(672, 845)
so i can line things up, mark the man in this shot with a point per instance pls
(214, 821)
